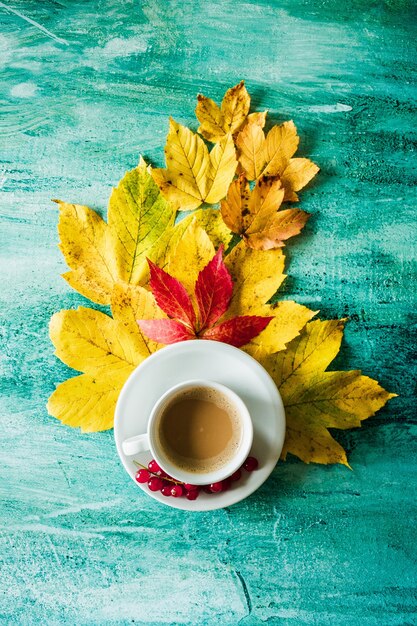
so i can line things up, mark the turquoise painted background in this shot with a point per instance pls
(87, 86)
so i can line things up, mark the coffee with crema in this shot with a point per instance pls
(200, 430)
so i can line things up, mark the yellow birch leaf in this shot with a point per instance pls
(88, 402)
(101, 254)
(256, 274)
(194, 176)
(216, 122)
(92, 342)
(316, 400)
(131, 303)
(87, 245)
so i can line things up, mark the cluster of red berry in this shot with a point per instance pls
(158, 480)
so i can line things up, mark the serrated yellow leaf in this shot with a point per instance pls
(280, 145)
(87, 245)
(270, 155)
(250, 142)
(221, 169)
(212, 222)
(131, 303)
(92, 342)
(215, 122)
(257, 275)
(296, 175)
(101, 254)
(194, 176)
(192, 253)
(258, 118)
(316, 400)
(138, 215)
(288, 320)
(88, 402)
(211, 118)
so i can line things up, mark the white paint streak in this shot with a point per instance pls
(50, 530)
(93, 506)
(35, 24)
(329, 108)
(24, 90)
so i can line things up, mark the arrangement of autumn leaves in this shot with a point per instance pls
(210, 275)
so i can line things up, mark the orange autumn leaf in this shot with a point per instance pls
(271, 155)
(256, 217)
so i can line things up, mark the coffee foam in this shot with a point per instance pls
(215, 463)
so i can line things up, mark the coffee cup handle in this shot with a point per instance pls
(133, 445)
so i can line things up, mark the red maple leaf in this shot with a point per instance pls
(213, 292)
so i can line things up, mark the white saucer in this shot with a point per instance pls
(214, 361)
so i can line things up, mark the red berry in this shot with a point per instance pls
(216, 487)
(142, 476)
(154, 467)
(236, 476)
(190, 487)
(166, 490)
(206, 489)
(176, 491)
(227, 483)
(250, 464)
(192, 494)
(155, 483)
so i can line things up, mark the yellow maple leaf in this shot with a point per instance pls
(88, 402)
(209, 220)
(131, 303)
(255, 216)
(257, 275)
(316, 400)
(101, 254)
(105, 350)
(271, 155)
(193, 175)
(215, 121)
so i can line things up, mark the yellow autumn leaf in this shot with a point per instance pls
(193, 252)
(131, 303)
(92, 342)
(105, 350)
(257, 275)
(87, 244)
(271, 155)
(316, 400)
(193, 175)
(215, 121)
(289, 318)
(88, 402)
(210, 220)
(101, 254)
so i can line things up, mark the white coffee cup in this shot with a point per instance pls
(150, 441)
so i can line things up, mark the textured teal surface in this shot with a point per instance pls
(90, 84)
